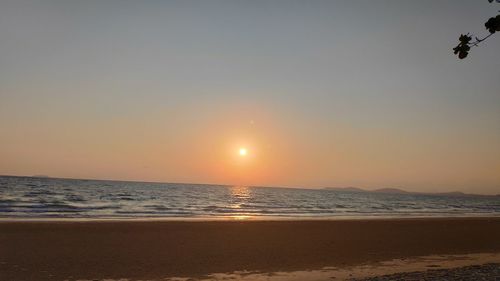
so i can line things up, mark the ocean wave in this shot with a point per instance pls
(87, 198)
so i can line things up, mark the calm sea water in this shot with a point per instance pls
(25, 197)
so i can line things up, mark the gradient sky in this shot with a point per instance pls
(321, 93)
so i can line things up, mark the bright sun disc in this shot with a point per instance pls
(243, 151)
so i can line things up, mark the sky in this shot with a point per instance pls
(320, 93)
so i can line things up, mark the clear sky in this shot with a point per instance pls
(320, 93)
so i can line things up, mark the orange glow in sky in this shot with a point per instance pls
(287, 95)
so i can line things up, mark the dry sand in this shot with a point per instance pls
(158, 249)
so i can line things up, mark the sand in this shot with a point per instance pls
(59, 250)
(490, 271)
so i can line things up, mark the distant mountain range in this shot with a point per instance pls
(400, 191)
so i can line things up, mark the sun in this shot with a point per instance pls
(243, 151)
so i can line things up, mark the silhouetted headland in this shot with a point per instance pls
(401, 191)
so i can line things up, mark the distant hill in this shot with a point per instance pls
(348, 189)
(401, 191)
(391, 190)
(456, 193)
(40, 176)
(380, 190)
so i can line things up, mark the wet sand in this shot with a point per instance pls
(157, 249)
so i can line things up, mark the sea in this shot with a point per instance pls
(53, 198)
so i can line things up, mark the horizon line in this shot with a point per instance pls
(41, 176)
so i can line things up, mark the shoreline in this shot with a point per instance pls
(48, 250)
(241, 218)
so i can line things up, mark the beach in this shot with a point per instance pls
(154, 250)
(249, 140)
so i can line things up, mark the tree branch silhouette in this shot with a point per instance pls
(465, 40)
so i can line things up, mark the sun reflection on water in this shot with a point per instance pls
(240, 192)
(240, 195)
(241, 217)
